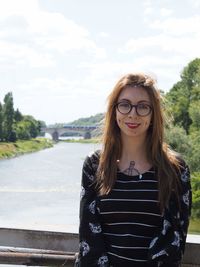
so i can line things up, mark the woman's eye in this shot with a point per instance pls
(124, 105)
(143, 106)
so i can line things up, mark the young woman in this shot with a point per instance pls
(136, 194)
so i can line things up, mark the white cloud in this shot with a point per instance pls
(12, 54)
(103, 76)
(148, 11)
(195, 3)
(104, 34)
(20, 7)
(165, 12)
(180, 45)
(31, 34)
(147, 3)
(177, 36)
(61, 100)
(178, 26)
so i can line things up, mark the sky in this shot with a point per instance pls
(61, 58)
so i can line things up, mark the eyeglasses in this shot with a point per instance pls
(141, 109)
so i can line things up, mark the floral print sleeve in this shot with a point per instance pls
(169, 245)
(186, 203)
(91, 244)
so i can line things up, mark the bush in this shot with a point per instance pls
(12, 137)
(178, 140)
(195, 195)
(194, 159)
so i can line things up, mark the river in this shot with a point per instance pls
(41, 190)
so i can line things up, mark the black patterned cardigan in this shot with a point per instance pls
(166, 248)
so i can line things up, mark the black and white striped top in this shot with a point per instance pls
(116, 229)
(130, 217)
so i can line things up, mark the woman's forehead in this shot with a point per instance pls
(134, 93)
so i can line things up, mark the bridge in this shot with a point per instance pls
(56, 132)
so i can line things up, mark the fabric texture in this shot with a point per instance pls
(166, 247)
(130, 216)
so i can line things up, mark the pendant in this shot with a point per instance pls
(140, 176)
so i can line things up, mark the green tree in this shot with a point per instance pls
(92, 120)
(196, 195)
(42, 124)
(18, 116)
(27, 128)
(1, 122)
(194, 112)
(178, 100)
(191, 78)
(184, 93)
(8, 117)
(34, 126)
(194, 159)
(178, 140)
(22, 130)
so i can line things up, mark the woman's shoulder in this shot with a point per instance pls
(89, 170)
(94, 155)
(182, 168)
(92, 159)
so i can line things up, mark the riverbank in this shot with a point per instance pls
(10, 150)
(82, 141)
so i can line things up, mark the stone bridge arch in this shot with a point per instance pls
(85, 131)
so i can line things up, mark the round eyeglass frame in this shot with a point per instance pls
(136, 108)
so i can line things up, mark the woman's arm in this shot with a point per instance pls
(92, 250)
(169, 245)
(185, 204)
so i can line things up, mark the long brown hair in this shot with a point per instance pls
(162, 157)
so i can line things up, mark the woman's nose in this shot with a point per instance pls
(133, 112)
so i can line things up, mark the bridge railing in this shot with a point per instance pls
(46, 248)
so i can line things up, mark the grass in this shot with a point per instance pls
(9, 150)
(194, 227)
(82, 141)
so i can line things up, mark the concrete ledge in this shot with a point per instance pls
(192, 254)
(38, 239)
(68, 242)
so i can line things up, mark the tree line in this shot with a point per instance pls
(182, 104)
(183, 107)
(15, 126)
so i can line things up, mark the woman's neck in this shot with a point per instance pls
(134, 150)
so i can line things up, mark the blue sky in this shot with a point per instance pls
(61, 58)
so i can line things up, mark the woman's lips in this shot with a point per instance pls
(132, 125)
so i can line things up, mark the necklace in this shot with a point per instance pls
(131, 170)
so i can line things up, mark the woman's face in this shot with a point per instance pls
(132, 124)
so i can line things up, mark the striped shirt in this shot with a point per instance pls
(116, 229)
(130, 217)
(125, 227)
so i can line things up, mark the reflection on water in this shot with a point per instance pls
(41, 190)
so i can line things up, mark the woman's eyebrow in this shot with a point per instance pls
(128, 100)
(124, 99)
(142, 101)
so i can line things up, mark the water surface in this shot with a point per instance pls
(41, 190)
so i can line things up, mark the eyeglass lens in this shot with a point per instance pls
(142, 109)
